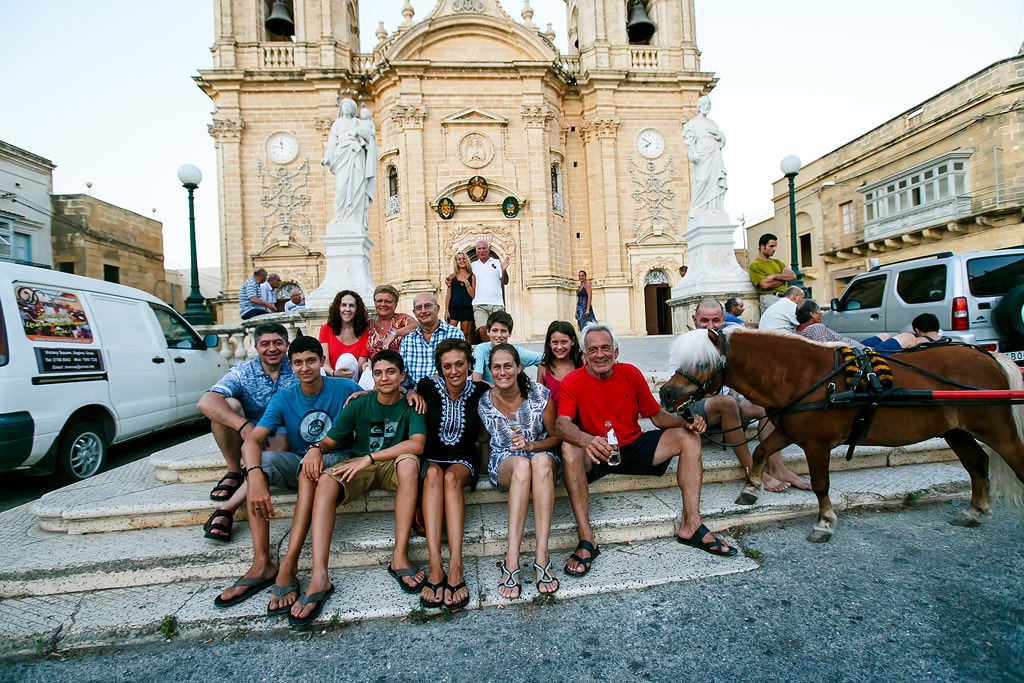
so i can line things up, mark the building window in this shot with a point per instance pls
(805, 251)
(846, 217)
(556, 187)
(6, 240)
(933, 182)
(111, 273)
(67, 267)
(392, 207)
(22, 247)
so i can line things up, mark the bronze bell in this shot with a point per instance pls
(639, 27)
(280, 20)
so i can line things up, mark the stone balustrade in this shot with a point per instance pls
(235, 341)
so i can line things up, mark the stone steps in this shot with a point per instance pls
(173, 488)
(45, 563)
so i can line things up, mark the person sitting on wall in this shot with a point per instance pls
(808, 316)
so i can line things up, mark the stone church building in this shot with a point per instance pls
(581, 154)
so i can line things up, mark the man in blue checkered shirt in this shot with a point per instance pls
(417, 347)
(250, 304)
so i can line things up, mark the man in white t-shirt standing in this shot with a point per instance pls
(491, 278)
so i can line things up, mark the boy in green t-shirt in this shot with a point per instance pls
(389, 436)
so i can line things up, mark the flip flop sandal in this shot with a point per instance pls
(319, 598)
(210, 527)
(433, 604)
(254, 585)
(545, 578)
(397, 574)
(455, 589)
(714, 547)
(279, 592)
(224, 485)
(509, 581)
(594, 551)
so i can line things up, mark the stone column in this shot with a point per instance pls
(234, 264)
(410, 118)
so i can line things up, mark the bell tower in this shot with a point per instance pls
(638, 71)
(278, 69)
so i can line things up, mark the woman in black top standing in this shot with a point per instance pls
(450, 463)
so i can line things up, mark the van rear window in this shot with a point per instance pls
(52, 315)
(995, 275)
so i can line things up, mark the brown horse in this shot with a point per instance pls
(775, 370)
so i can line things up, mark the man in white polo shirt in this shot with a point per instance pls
(491, 277)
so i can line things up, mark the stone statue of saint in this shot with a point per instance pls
(704, 141)
(354, 169)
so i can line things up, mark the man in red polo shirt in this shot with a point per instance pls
(604, 391)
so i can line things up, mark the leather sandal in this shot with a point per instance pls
(225, 485)
(594, 551)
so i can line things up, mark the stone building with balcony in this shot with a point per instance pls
(945, 175)
(465, 92)
(26, 180)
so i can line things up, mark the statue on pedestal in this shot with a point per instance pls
(355, 171)
(704, 141)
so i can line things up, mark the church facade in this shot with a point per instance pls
(484, 130)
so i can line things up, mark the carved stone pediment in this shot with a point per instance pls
(474, 115)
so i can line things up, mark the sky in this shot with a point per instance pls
(104, 88)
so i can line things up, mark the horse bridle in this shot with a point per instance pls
(703, 388)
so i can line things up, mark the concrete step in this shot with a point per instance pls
(43, 563)
(133, 497)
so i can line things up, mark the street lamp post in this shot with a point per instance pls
(790, 167)
(195, 307)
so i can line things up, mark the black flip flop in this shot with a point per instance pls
(397, 574)
(222, 485)
(455, 589)
(210, 527)
(319, 598)
(431, 604)
(279, 592)
(714, 547)
(255, 585)
(594, 551)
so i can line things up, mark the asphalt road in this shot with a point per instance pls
(894, 597)
(17, 489)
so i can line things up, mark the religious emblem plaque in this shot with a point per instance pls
(510, 207)
(477, 188)
(446, 208)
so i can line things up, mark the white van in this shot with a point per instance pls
(85, 364)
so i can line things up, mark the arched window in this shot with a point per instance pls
(392, 205)
(556, 187)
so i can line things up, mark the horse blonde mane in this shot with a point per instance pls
(693, 351)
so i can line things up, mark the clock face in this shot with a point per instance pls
(282, 148)
(650, 143)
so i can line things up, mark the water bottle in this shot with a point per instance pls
(616, 457)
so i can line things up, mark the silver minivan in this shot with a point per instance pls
(978, 298)
(85, 364)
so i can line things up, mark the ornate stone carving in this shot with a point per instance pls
(536, 115)
(323, 126)
(656, 269)
(606, 128)
(468, 6)
(475, 149)
(409, 115)
(653, 189)
(226, 130)
(283, 201)
(499, 235)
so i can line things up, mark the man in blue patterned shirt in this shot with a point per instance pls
(235, 405)
(250, 304)
(417, 347)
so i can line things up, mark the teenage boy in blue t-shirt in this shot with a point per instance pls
(389, 436)
(306, 412)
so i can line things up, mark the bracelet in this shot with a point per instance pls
(370, 456)
(239, 430)
(247, 470)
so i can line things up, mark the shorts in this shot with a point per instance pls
(253, 313)
(888, 346)
(697, 407)
(482, 311)
(637, 458)
(381, 475)
(462, 314)
(282, 467)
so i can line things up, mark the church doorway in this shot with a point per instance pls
(657, 292)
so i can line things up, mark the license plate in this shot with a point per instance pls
(1016, 355)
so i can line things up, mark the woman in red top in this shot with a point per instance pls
(345, 333)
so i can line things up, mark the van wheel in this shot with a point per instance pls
(1009, 314)
(82, 451)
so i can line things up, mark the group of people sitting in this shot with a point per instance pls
(439, 414)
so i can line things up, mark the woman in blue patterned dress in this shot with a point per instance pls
(520, 418)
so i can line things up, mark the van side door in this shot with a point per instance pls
(139, 372)
(860, 312)
(195, 367)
